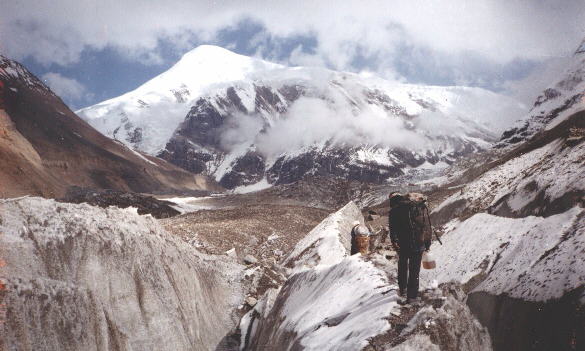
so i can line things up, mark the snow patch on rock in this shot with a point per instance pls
(532, 258)
(328, 243)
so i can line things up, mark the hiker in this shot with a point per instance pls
(360, 235)
(410, 236)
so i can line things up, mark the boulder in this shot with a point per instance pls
(249, 259)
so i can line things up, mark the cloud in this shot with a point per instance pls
(498, 30)
(66, 88)
(311, 121)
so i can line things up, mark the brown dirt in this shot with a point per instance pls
(266, 231)
(45, 148)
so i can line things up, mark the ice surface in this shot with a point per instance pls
(331, 301)
(79, 276)
(328, 243)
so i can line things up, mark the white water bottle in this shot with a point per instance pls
(428, 261)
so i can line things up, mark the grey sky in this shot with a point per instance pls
(481, 43)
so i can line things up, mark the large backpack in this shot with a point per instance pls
(420, 220)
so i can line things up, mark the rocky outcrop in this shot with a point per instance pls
(79, 277)
(144, 204)
(442, 322)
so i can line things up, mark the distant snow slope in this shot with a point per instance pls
(243, 120)
(157, 107)
(562, 99)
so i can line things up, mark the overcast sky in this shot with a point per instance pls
(89, 50)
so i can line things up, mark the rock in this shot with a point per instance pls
(232, 252)
(251, 301)
(104, 198)
(249, 259)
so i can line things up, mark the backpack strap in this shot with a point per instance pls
(430, 225)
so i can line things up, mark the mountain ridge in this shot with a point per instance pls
(45, 148)
(223, 114)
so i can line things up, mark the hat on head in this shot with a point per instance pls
(395, 198)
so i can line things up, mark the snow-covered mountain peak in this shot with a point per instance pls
(207, 65)
(230, 116)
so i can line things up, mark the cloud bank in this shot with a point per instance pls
(497, 30)
(313, 121)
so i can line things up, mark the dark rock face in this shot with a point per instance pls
(515, 324)
(181, 152)
(547, 95)
(201, 123)
(248, 169)
(335, 162)
(197, 143)
(144, 204)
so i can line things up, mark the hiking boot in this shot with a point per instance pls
(402, 292)
(403, 301)
(414, 301)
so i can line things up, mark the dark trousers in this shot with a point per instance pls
(408, 270)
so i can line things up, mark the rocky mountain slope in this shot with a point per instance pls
(246, 121)
(45, 147)
(513, 229)
(559, 101)
(515, 237)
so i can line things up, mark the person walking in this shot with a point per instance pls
(410, 237)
